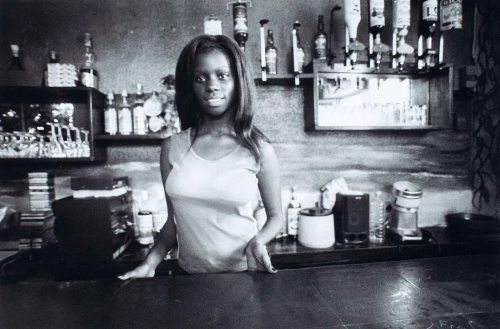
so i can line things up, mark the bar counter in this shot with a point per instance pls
(445, 292)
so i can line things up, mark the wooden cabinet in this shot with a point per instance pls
(362, 99)
(85, 111)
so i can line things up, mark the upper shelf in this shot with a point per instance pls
(284, 80)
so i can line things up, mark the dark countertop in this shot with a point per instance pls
(444, 292)
(285, 254)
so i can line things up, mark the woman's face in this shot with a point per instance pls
(213, 82)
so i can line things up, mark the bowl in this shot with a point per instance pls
(472, 223)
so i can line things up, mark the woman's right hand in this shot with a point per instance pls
(141, 271)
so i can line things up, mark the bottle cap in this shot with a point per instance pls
(124, 93)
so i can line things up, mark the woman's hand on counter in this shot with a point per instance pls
(258, 259)
(141, 271)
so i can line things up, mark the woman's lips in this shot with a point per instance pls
(214, 101)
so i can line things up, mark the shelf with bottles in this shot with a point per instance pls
(51, 124)
(365, 99)
(285, 80)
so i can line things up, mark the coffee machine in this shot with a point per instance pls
(403, 222)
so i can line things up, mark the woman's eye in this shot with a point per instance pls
(223, 76)
(199, 79)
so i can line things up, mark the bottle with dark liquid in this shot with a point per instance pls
(320, 40)
(240, 24)
(16, 61)
(89, 76)
(271, 54)
(53, 60)
(429, 22)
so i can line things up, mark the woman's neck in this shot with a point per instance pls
(216, 126)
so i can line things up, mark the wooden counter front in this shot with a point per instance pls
(446, 292)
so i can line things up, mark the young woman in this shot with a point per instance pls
(215, 168)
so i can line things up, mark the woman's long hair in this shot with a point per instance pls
(190, 112)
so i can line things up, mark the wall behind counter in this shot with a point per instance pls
(139, 42)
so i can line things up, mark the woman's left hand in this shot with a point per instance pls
(258, 259)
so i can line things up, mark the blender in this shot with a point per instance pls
(406, 197)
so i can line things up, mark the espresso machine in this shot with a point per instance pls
(406, 197)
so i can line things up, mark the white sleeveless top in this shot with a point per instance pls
(212, 202)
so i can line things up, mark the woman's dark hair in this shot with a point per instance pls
(190, 112)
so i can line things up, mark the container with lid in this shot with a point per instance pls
(316, 228)
(406, 194)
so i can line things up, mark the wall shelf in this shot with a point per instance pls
(284, 80)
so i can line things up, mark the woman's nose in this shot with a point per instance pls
(213, 85)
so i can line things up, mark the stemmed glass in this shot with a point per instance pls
(72, 148)
(79, 143)
(60, 139)
(56, 150)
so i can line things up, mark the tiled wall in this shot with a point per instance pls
(139, 41)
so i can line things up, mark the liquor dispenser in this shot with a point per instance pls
(401, 23)
(240, 21)
(377, 24)
(428, 25)
(352, 17)
(263, 49)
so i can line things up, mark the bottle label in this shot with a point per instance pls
(320, 46)
(139, 121)
(271, 62)
(430, 10)
(293, 220)
(377, 17)
(110, 121)
(451, 14)
(300, 59)
(401, 14)
(88, 79)
(125, 122)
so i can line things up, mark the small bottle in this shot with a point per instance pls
(271, 54)
(140, 120)
(320, 40)
(124, 116)
(300, 55)
(16, 61)
(52, 60)
(110, 116)
(293, 213)
(429, 19)
(89, 76)
(377, 219)
(145, 222)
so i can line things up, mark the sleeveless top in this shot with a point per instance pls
(212, 202)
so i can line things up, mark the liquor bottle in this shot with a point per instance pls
(240, 23)
(300, 54)
(124, 116)
(429, 21)
(110, 116)
(16, 61)
(140, 120)
(89, 77)
(377, 18)
(52, 60)
(352, 17)
(271, 54)
(293, 213)
(320, 40)
(450, 13)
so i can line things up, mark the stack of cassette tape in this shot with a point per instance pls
(37, 224)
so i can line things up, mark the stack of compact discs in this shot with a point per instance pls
(36, 229)
(41, 190)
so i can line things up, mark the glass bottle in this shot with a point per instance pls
(320, 40)
(271, 54)
(240, 24)
(293, 213)
(140, 121)
(450, 13)
(110, 116)
(377, 219)
(300, 54)
(125, 116)
(429, 20)
(89, 76)
(52, 60)
(16, 61)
